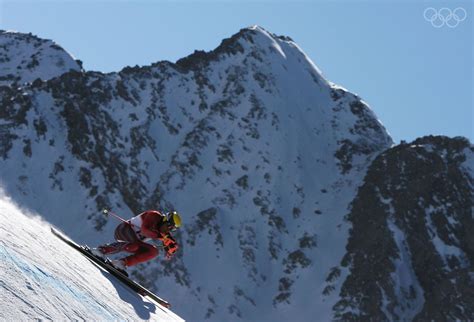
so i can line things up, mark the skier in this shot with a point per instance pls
(131, 237)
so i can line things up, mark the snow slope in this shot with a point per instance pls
(42, 278)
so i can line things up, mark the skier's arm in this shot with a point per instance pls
(150, 224)
(170, 245)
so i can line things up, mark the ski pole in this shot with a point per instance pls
(108, 212)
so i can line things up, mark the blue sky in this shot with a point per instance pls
(417, 78)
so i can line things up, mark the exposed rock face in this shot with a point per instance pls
(411, 248)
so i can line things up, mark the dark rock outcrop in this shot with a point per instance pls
(411, 248)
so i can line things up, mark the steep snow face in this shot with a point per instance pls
(45, 279)
(24, 58)
(258, 151)
(416, 204)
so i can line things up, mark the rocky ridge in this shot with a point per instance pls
(25, 57)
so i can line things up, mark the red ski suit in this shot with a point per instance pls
(131, 237)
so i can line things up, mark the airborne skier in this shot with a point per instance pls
(131, 237)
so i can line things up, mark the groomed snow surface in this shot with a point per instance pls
(43, 278)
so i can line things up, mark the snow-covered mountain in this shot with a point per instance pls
(24, 58)
(42, 279)
(259, 152)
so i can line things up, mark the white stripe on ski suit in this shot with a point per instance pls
(137, 222)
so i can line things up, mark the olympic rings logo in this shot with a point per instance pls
(445, 17)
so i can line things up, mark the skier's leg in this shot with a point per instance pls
(125, 235)
(142, 252)
(124, 232)
(112, 248)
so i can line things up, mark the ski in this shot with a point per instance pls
(122, 276)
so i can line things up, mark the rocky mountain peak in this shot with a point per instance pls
(252, 41)
(26, 57)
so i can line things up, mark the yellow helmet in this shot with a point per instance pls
(174, 219)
